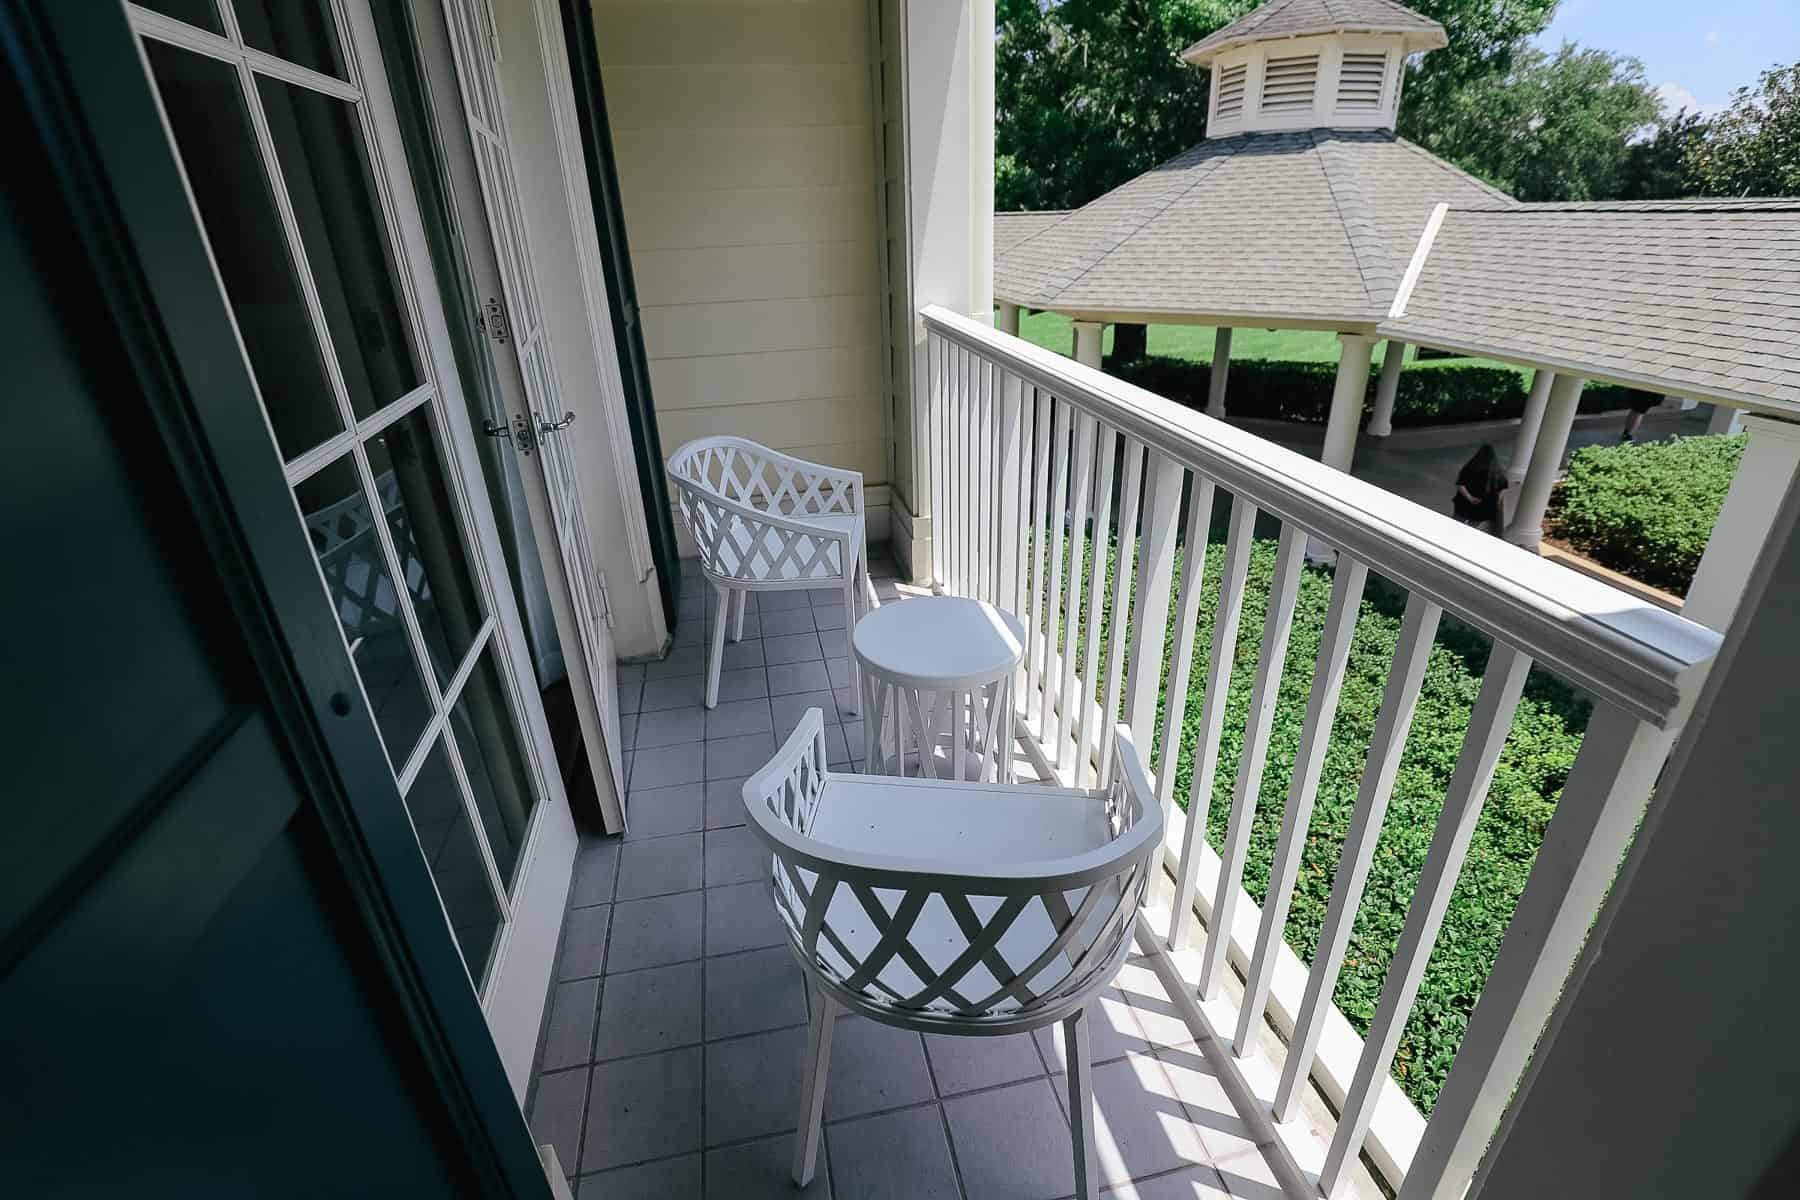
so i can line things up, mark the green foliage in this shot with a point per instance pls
(1437, 394)
(1545, 734)
(1655, 167)
(1647, 510)
(1753, 147)
(1555, 127)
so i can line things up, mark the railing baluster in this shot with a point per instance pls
(1187, 623)
(1040, 504)
(953, 391)
(934, 392)
(1010, 484)
(1121, 635)
(1027, 436)
(986, 437)
(1106, 451)
(1418, 626)
(965, 432)
(1489, 724)
(1156, 556)
(1081, 467)
(1309, 763)
(1212, 713)
(1278, 621)
(1054, 525)
(1596, 816)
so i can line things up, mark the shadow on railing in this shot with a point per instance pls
(1084, 505)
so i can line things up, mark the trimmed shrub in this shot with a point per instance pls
(1647, 510)
(1298, 391)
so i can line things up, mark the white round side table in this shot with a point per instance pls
(937, 681)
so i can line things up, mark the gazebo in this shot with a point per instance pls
(1299, 210)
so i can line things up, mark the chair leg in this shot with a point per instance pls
(849, 629)
(737, 627)
(716, 651)
(869, 584)
(1081, 1103)
(812, 1086)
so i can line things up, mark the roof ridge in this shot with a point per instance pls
(1373, 259)
(1201, 173)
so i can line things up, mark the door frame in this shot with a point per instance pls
(91, 103)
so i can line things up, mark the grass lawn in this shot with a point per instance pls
(1195, 343)
(1545, 735)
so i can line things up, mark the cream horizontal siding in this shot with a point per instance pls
(742, 133)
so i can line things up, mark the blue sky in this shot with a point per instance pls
(1696, 53)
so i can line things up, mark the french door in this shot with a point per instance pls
(537, 427)
(286, 136)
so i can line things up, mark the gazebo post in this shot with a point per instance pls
(1221, 367)
(1008, 320)
(1527, 526)
(1770, 463)
(1381, 420)
(1355, 350)
(1530, 421)
(1725, 419)
(1087, 343)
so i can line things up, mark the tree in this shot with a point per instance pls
(1753, 147)
(1555, 127)
(1655, 167)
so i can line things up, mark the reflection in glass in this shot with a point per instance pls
(198, 13)
(297, 30)
(212, 133)
(407, 462)
(493, 757)
(448, 843)
(342, 531)
(332, 188)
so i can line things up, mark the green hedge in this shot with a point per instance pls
(1646, 509)
(1546, 733)
(1298, 391)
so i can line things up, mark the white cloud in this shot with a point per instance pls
(1675, 98)
(1712, 37)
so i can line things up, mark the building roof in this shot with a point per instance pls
(1011, 228)
(1698, 298)
(1305, 227)
(1299, 18)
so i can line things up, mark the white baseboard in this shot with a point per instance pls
(911, 541)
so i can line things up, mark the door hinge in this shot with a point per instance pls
(606, 600)
(519, 433)
(492, 319)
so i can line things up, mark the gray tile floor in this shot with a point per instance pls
(673, 1049)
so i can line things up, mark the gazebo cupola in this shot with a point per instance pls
(1310, 64)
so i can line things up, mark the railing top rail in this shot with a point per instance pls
(1621, 649)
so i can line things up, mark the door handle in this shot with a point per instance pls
(544, 426)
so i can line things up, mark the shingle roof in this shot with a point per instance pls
(1309, 225)
(1297, 18)
(1699, 298)
(1011, 228)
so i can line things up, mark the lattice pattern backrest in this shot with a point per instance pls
(941, 946)
(759, 478)
(747, 529)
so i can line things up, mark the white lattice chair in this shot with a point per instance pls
(764, 521)
(951, 907)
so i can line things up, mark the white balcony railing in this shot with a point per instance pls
(1024, 448)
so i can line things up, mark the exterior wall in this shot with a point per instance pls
(746, 155)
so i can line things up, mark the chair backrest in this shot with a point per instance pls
(747, 509)
(1019, 945)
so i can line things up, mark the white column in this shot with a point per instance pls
(948, 61)
(1527, 527)
(1008, 321)
(1354, 352)
(1529, 423)
(1725, 419)
(1087, 343)
(1771, 458)
(1381, 421)
(1221, 367)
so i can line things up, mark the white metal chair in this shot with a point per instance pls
(951, 907)
(765, 521)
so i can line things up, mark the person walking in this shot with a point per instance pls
(1478, 488)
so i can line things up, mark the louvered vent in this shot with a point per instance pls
(1230, 104)
(1289, 83)
(1360, 80)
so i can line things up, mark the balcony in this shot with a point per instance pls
(673, 1052)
